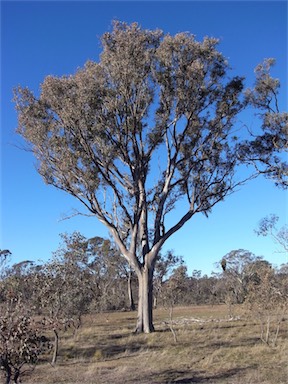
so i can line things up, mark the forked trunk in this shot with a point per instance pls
(145, 301)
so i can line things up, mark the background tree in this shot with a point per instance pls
(62, 292)
(267, 300)
(99, 133)
(268, 227)
(283, 270)
(175, 288)
(173, 292)
(274, 127)
(208, 285)
(92, 271)
(239, 267)
(201, 289)
(21, 340)
(4, 257)
(112, 275)
(164, 266)
(17, 281)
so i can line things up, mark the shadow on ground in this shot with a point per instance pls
(103, 350)
(183, 377)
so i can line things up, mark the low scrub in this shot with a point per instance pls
(210, 348)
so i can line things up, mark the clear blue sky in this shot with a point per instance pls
(55, 38)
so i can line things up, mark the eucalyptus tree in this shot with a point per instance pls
(62, 288)
(151, 124)
(165, 266)
(105, 276)
(117, 277)
(268, 227)
(239, 268)
(111, 273)
(267, 301)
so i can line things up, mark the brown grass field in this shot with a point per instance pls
(210, 348)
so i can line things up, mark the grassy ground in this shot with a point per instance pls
(210, 348)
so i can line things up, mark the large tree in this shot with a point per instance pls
(151, 124)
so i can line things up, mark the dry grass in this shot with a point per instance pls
(210, 349)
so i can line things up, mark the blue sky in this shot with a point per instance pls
(55, 38)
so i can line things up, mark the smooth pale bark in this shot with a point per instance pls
(56, 347)
(145, 301)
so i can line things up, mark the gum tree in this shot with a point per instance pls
(149, 125)
(268, 227)
(239, 268)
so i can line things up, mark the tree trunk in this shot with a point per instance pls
(145, 301)
(7, 370)
(16, 376)
(155, 301)
(130, 293)
(56, 346)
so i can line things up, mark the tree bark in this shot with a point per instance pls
(145, 301)
(130, 293)
(7, 370)
(56, 346)
(16, 376)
